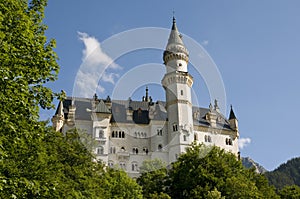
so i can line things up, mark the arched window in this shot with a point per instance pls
(228, 141)
(184, 137)
(159, 132)
(195, 137)
(123, 149)
(112, 149)
(209, 138)
(120, 134)
(145, 149)
(181, 92)
(159, 147)
(175, 127)
(135, 150)
(113, 134)
(123, 134)
(134, 166)
(123, 165)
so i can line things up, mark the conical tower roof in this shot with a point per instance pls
(175, 45)
(231, 115)
(175, 37)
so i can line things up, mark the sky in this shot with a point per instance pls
(251, 50)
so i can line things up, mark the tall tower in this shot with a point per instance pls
(177, 83)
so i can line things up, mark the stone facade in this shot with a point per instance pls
(125, 132)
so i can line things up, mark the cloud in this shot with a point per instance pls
(243, 142)
(94, 68)
(205, 42)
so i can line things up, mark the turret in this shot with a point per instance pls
(176, 56)
(58, 119)
(212, 116)
(233, 122)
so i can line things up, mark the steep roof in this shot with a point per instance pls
(231, 115)
(175, 37)
(139, 110)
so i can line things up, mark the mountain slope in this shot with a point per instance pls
(249, 163)
(286, 174)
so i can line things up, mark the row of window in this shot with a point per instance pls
(134, 165)
(118, 134)
(135, 150)
(140, 134)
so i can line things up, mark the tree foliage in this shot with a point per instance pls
(218, 174)
(290, 192)
(36, 161)
(152, 179)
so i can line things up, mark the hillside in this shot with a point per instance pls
(286, 174)
(249, 163)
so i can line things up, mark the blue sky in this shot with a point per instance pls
(254, 44)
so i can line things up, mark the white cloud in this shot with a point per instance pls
(94, 67)
(205, 42)
(243, 142)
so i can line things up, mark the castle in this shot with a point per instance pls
(128, 132)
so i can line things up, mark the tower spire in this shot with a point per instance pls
(175, 45)
(231, 115)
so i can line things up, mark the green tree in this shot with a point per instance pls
(121, 186)
(198, 176)
(152, 179)
(27, 62)
(290, 192)
(36, 161)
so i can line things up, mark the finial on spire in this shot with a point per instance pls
(174, 20)
(147, 97)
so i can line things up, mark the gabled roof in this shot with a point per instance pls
(101, 107)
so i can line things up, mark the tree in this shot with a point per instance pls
(121, 186)
(195, 176)
(36, 161)
(206, 172)
(27, 62)
(290, 192)
(152, 179)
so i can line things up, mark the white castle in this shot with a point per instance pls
(129, 132)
